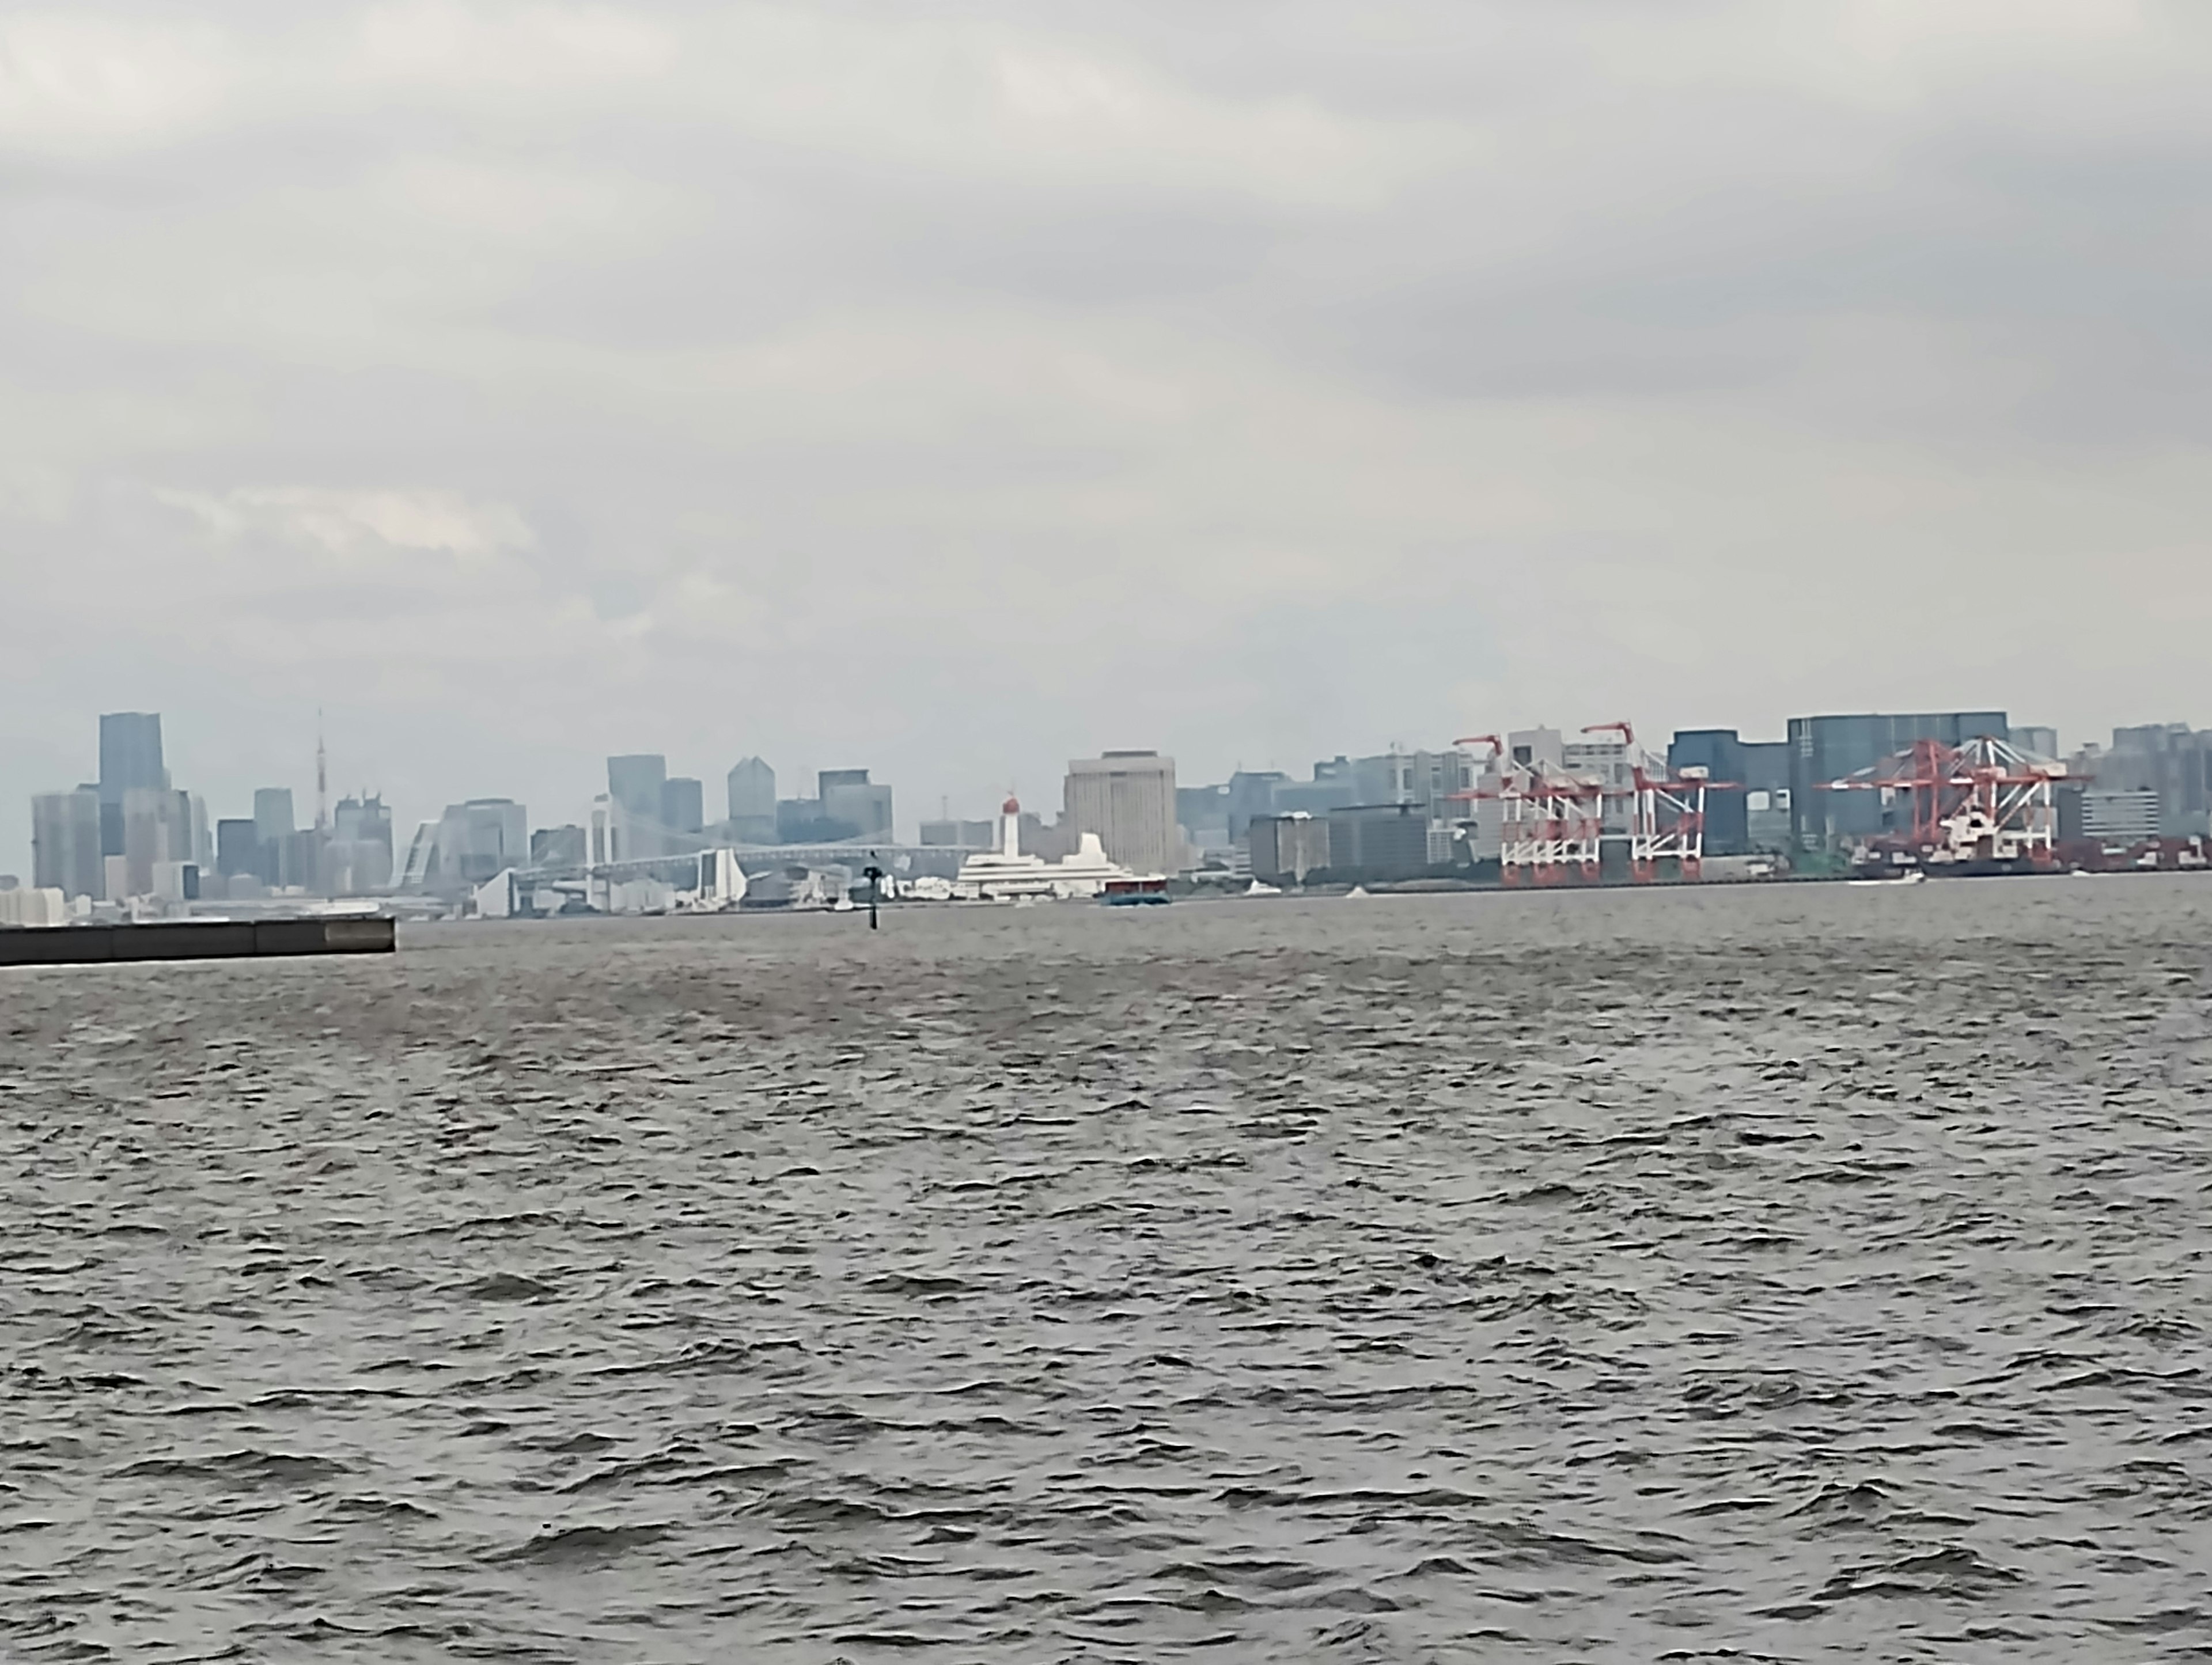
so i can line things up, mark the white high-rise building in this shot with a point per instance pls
(1128, 798)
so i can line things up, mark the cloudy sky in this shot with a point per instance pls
(956, 388)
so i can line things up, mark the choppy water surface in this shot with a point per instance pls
(1792, 1273)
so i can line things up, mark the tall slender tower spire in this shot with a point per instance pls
(322, 780)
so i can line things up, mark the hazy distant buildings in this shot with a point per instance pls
(156, 833)
(273, 817)
(65, 852)
(961, 834)
(1202, 813)
(634, 788)
(849, 799)
(356, 860)
(683, 804)
(1128, 798)
(1332, 787)
(559, 846)
(470, 843)
(752, 802)
(237, 849)
(1251, 794)
(2170, 759)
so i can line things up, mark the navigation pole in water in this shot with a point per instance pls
(874, 874)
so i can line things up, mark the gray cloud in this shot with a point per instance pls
(956, 389)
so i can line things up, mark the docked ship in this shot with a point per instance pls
(1006, 874)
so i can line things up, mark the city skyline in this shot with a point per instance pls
(1041, 384)
(134, 781)
(575, 781)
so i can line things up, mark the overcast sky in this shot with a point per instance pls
(956, 388)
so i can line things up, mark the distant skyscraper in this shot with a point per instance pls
(470, 843)
(362, 821)
(358, 859)
(65, 852)
(130, 755)
(683, 804)
(1127, 798)
(850, 799)
(237, 849)
(633, 784)
(156, 833)
(272, 813)
(752, 802)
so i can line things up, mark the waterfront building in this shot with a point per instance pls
(1286, 848)
(1127, 799)
(1009, 874)
(2170, 759)
(1378, 841)
(2128, 816)
(752, 802)
(65, 850)
(43, 906)
(633, 786)
(1761, 768)
(1828, 748)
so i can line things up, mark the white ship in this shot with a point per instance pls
(1007, 875)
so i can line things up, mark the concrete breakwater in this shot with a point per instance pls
(195, 940)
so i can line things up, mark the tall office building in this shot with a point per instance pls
(358, 857)
(202, 833)
(362, 821)
(849, 799)
(65, 853)
(129, 756)
(752, 802)
(237, 849)
(470, 843)
(156, 834)
(633, 784)
(272, 813)
(1129, 799)
(683, 804)
(1823, 750)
